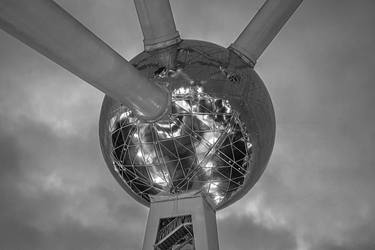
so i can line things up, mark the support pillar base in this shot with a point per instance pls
(184, 222)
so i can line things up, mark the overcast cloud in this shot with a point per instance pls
(317, 192)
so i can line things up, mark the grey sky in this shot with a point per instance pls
(316, 193)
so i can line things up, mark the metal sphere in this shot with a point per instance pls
(217, 137)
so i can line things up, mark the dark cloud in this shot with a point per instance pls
(359, 237)
(240, 232)
(37, 213)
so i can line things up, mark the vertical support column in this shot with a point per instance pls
(157, 23)
(195, 206)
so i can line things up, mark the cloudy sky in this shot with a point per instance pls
(317, 192)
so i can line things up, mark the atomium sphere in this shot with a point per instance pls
(217, 137)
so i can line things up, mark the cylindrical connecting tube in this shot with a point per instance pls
(46, 27)
(263, 28)
(157, 23)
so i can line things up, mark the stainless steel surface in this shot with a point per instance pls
(263, 28)
(217, 138)
(157, 23)
(46, 27)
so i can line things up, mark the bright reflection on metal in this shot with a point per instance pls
(211, 139)
(203, 141)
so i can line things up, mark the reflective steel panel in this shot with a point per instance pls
(217, 137)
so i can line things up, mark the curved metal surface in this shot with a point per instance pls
(217, 138)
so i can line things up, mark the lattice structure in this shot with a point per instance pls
(216, 137)
(203, 145)
(175, 233)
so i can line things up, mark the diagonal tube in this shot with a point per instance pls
(49, 29)
(263, 28)
(157, 23)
